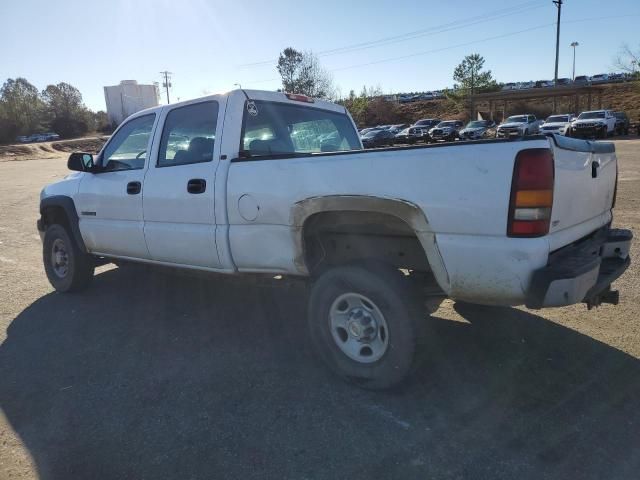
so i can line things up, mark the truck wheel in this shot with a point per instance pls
(68, 268)
(364, 324)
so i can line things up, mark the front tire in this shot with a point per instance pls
(67, 267)
(364, 324)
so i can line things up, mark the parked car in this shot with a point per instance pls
(50, 136)
(593, 124)
(600, 78)
(378, 138)
(509, 86)
(23, 139)
(526, 85)
(349, 220)
(564, 81)
(478, 129)
(364, 131)
(543, 84)
(427, 123)
(622, 123)
(410, 135)
(582, 80)
(557, 124)
(518, 126)
(617, 77)
(449, 130)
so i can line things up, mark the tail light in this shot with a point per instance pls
(531, 194)
(299, 98)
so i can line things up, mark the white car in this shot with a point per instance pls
(262, 188)
(518, 126)
(593, 124)
(557, 124)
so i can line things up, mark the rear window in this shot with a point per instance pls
(273, 128)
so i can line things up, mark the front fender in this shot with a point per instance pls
(65, 204)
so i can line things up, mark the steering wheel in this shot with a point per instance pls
(141, 153)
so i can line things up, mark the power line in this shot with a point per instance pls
(489, 16)
(487, 39)
(451, 47)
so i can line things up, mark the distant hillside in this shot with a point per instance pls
(621, 96)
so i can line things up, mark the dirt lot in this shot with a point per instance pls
(154, 375)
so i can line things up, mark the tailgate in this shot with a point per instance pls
(585, 181)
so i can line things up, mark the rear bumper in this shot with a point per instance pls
(582, 272)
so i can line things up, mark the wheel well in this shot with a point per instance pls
(340, 237)
(55, 215)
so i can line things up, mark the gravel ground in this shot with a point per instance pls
(151, 374)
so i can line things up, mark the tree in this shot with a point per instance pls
(288, 67)
(301, 72)
(67, 114)
(470, 76)
(21, 109)
(628, 60)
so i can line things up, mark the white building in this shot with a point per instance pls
(128, 98)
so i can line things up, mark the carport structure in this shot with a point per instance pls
(499, 101)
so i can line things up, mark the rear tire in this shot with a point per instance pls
(67, 267)
(364, 324)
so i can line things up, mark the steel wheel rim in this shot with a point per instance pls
(59, 258)
(358, 328)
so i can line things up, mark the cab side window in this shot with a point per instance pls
(188, 135)
(127, 149)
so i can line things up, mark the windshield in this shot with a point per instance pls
(283, 128)
(517, 119)
(477, 124)
(425, 122)
(447, 124)
(557, 119)
(588, 115)
(404, 132)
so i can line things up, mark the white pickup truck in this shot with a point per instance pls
(254, 182)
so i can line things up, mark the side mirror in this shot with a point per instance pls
(80, 162)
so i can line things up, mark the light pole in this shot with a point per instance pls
(574, 45)
(558, 4)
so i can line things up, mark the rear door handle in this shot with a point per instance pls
(594, 169)
(196, 185)
(133, 188)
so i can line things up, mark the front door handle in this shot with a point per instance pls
(196, 185)
(594, 169)
(133, 188)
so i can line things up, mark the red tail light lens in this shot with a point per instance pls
(531, 194)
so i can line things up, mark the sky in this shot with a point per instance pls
(210, 45)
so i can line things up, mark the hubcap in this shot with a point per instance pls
(59, 258)
(358, 328)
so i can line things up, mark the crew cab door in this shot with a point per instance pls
(109, 202)
(179, 196)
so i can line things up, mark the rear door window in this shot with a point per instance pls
(273, 128)
(188, 135)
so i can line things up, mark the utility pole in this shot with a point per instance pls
(558, 4)
(167, 82)
(574, 45)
